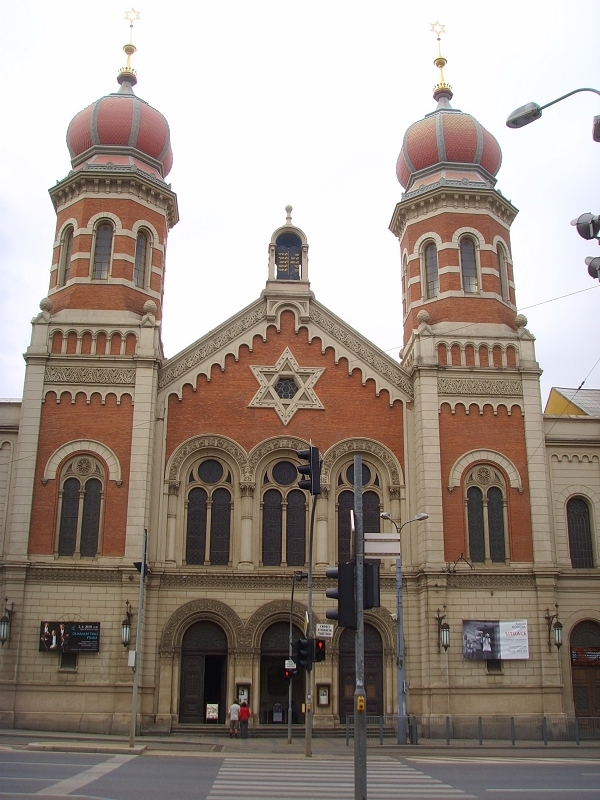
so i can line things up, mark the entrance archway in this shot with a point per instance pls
(585, 668)
(273, 685)
(373, 672)
(203, 675)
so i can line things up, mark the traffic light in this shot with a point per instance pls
(588, 226)
(318, 650)
(371, 594)
(312, 470)
(143, 571)
(344, 593)
(289, 673)
(303, 653)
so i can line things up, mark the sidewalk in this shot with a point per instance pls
(220, 745)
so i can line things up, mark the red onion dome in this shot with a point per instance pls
(121, 130)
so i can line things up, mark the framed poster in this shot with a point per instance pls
(323, 694)
(494, 639)
(69, 637)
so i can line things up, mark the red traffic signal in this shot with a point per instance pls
(319, 650)
(289, 673)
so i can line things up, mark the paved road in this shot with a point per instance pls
(155, 776)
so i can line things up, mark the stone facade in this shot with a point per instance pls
(111, 439)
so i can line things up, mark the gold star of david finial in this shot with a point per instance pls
(132, 15)
(438, 28)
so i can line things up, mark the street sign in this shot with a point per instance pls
(324, 630)
(290, 664)
(382, 544)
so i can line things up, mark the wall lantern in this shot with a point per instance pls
(554, 627)
(126, 625)
(5, 622)
(443, 631)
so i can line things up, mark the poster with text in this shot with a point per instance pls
(69, 637)
(492, 639)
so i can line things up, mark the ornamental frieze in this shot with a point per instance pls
(480, 386)
(368, 354)
(73, 575)
(210, 346)
(472, 580)
(105, 376)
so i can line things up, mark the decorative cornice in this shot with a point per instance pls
(120, 180)
(363, 349)
(473, 580)
(73, 575)
(105, 376)
(210, 345)
(480, 386)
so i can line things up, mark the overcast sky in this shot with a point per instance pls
(306, 103)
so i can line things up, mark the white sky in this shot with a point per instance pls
(306, 103)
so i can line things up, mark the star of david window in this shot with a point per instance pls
(286, 387)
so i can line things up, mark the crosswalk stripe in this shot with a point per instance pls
(275, 780)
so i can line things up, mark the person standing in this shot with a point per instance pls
(234, 719)
(244, 716)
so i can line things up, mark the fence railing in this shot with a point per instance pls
(481, 729)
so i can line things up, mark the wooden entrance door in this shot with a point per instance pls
(585, 668)
(373, 673)
(203, 671)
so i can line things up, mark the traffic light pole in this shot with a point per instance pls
(309, 634)
(360, 709)
(138, 643)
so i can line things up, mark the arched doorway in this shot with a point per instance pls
(373, 672)
(274, 648)
(203, 663)
(585, 668)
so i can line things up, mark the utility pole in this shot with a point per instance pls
(360, 706)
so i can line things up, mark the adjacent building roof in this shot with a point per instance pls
(573, 402)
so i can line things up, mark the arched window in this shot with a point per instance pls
(345, 503)
(102, 251)
(142, 250)
(81, 496)
(405, 282)
(485, 504)
(503, 273)
(431, 270)
(283, 517)
(580, 533)
(208, 528)
(288, 257)
(468, 265)
(65, 256)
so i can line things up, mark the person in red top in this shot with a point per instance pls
(244, 716)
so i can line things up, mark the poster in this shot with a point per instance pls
(69, 637)
(493, 639)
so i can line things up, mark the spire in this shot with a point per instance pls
(127, 77)
(442, 92)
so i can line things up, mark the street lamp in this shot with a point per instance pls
(531, 111)
(400, 627)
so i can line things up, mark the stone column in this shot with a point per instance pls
(172, 519)
(247, 493)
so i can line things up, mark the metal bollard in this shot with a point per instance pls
(480, 725)
(512, 730)
(380, 730)
(448, 730)
(545, 730)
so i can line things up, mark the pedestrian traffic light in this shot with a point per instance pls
(312, 470)
(344, 593)
(289, 673)
(319, 650)
(303, 653)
